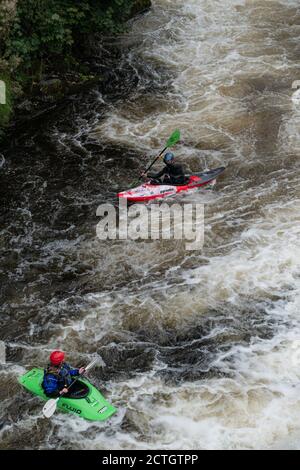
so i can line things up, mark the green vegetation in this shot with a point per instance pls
(7, 12)
(47, 30)
(44, 36)
(5, 109)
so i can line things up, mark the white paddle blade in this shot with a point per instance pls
(50, 407)
(91, 364)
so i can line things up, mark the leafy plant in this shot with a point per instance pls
(47, 29)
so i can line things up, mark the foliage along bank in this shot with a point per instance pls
(40, 37)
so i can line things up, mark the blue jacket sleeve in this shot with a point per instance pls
(73, 372)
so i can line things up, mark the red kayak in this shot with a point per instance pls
(149, 191)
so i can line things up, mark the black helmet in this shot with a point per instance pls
(168, 158)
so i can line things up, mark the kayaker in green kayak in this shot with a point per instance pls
(172, 173)
(59, 376)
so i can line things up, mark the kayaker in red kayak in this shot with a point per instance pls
(172, 173)
(59, 376)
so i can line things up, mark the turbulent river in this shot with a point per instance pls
(197, 350)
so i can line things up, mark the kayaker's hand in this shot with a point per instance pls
(143, 175)
(63, 391)
(81, 370)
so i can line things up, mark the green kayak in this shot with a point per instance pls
(93, 407)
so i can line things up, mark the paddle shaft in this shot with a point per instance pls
(154, 161)
(78, 377)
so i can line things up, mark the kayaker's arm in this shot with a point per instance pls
(157, 175)
(74, 372)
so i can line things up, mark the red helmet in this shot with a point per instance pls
(57, 357)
